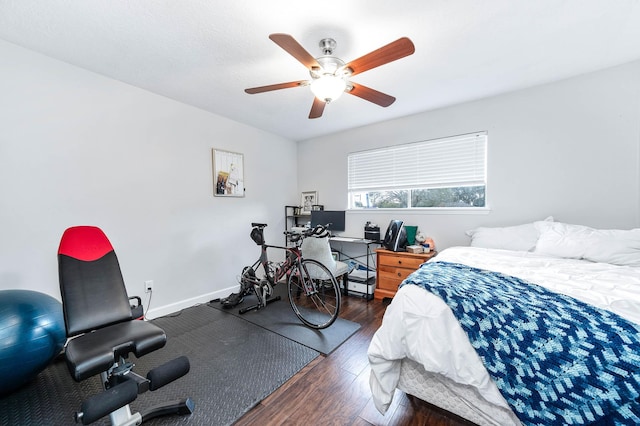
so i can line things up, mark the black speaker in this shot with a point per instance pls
(395, 238)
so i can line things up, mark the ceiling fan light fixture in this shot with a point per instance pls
(330, 76)
(328, 87)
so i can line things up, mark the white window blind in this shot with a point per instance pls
(439, 163)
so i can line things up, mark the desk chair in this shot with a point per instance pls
(103, 332)
(318, 248)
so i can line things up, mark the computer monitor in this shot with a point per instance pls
(334, 218)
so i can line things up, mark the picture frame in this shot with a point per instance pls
(228, 173)
(307, 200)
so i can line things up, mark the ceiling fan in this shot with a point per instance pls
(330, 75)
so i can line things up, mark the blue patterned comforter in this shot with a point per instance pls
(556, 360)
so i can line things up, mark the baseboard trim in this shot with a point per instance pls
(172, 308)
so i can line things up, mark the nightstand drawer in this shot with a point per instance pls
(386, 283)
(391, 272)
(402, 261)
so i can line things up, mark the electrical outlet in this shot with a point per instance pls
(148, 286)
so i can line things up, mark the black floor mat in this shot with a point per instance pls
(280, 318)
(234, 365)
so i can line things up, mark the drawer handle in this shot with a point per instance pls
(399, 262)
(399, 274)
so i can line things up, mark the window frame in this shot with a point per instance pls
(456, 161)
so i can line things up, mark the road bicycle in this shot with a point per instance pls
(313, 291)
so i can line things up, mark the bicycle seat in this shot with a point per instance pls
(259, 225)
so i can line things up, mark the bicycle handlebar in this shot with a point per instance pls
(318, 231)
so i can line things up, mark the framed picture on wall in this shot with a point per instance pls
(228, 173)
(307, 200)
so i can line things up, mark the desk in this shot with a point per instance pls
(353, 240)
(368, 275)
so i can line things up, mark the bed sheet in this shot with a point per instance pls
(419, 326)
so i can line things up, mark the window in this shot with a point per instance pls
(439, 173)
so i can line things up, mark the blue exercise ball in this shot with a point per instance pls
(32, 333)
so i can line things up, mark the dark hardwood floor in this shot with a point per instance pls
(334, 390)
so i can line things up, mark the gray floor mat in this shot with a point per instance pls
(234, 365)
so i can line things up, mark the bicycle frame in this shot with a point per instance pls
(293, 258)
(272, 276)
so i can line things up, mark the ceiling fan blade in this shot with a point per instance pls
(261, 89)
(371, 95)
(389, 53)
(317, 108)
(293, 48)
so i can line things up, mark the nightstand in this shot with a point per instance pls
(393, 267)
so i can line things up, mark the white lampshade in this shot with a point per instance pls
(328, 87)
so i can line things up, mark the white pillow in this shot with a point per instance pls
(519, 237)
(615, 246)
(561, 239)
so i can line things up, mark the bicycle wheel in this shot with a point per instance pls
(314, 294)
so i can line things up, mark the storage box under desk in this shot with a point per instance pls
(361, 289)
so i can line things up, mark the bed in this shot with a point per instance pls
(430, 347)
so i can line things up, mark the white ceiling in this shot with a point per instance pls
(206, 52)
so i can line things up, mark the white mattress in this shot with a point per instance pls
(463, 400)
(419, 326)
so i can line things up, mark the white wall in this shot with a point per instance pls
(77, 148)
(568, 149)
(80, 149)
